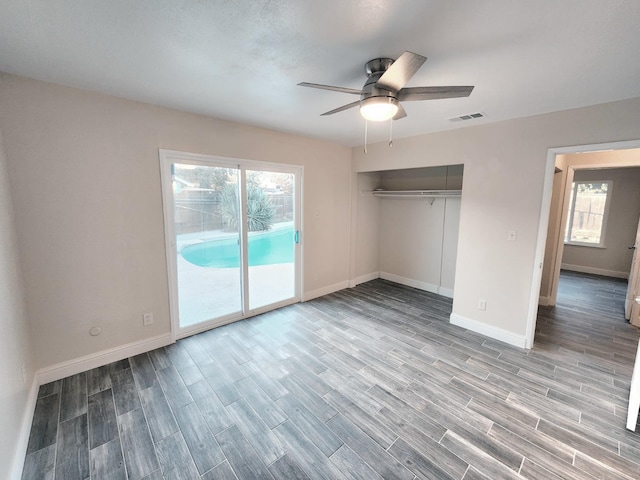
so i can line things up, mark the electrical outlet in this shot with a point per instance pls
(147, 319)
(482, 305)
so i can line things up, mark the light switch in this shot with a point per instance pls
(147, 319)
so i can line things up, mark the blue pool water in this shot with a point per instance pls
(265, 248)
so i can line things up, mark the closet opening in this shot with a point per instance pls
(407, 229)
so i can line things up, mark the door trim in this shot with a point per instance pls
(630, 305)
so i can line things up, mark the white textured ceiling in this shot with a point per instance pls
(241, 59)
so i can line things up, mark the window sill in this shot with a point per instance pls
(589, 245)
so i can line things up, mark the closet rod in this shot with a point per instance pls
(418, 193)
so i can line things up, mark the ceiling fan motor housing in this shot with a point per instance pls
(375, 69)
(378, 65)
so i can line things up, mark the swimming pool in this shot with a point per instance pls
(265, 248)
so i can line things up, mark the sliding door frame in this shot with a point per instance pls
(169, 157)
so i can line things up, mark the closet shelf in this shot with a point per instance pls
(418, 193)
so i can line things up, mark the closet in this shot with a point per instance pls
(418, 216)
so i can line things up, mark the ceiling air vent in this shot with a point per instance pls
(469, 116)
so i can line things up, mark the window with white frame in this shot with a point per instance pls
(588, 210)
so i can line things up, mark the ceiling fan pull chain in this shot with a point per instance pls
(390, 132)
(366, 125)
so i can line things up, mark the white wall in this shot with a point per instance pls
(620, 232)
(367, 228)
(504, 170)
(451, 230)
(84, 171)
(411, 241)
(418, 242)
(16, 407)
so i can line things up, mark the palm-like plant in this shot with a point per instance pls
(259, 209)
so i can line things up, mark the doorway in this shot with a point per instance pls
(586, 210)
(232, 231)
(550, 242)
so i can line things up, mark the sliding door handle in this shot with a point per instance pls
(296, 236)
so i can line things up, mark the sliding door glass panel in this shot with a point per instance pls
(271, 237)
(207, 225)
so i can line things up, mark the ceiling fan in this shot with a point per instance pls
(384, 89)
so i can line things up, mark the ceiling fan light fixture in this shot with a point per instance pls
(378, 109)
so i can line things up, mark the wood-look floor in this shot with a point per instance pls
(366, 383)
(592, 293)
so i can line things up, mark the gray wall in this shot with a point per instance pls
(615, 258)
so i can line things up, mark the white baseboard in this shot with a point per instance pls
(363, 278)
(410, 282)
(445, 292)
(25, 430)
(98, 359)
(325, 290)
(594, 271)
(544, 301)
(488, 330)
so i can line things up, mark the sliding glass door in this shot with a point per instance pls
(232, 235)
(206, 216)
(272, 237)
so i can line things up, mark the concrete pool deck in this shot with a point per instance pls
(206, 292)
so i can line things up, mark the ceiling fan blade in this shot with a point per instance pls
(340, 109)
(433, 93)
(400, 114)
(330, 87)
(400, 71)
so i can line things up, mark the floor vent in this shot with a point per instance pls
(470, 116)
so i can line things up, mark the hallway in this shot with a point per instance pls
(587, 293)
